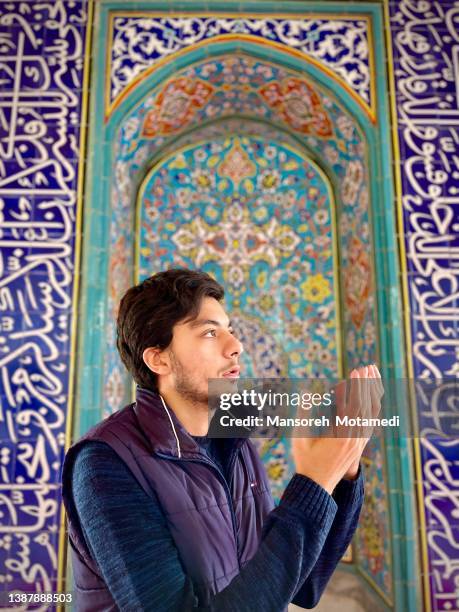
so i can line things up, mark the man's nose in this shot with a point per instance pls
(234, 346)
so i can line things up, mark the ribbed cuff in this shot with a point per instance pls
(349, 492)
(310, 499)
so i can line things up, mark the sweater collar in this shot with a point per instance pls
(164, 431)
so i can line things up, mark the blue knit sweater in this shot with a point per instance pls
(129, 538)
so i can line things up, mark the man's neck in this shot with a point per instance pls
(193, 416)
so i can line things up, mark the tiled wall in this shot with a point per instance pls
(41, 122)
(273, 229)
(42, 101)
(425, 40)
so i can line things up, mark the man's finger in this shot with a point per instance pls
(353, 406)
(375, 393)
(340, 403)
(366, 397)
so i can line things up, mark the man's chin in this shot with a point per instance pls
(224, 384)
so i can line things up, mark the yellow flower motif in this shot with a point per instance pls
(269, 180)
(296, 330)
(315, 288)
(203, 180)
(260, 213)
(261, 279)
(275, 470)
(178, 162)
(248, 185)
(266, 303)
(291, 165)
(211, 212)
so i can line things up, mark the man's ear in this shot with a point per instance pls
(156, 360)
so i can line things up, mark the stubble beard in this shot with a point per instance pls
(184, 385)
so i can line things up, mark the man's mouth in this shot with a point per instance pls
(232, 372)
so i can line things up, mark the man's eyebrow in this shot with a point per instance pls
(199, 322)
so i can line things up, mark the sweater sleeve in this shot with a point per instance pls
(349, 496)
(142, 567)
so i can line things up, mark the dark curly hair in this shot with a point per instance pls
(148, 312)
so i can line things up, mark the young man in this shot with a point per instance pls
(163, 518)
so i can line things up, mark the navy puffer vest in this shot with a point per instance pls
(216, 525)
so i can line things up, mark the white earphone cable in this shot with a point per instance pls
(173, 428)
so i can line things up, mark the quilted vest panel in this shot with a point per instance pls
(216, 523)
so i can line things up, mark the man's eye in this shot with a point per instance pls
(211, 332)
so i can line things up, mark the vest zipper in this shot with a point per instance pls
(225, 485)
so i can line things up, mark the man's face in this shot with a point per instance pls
(201, 349)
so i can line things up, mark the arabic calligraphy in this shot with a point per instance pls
(341, 44)
(41, 74)
(426, 48)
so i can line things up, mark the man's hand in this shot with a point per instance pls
(352, 472)
(372, 411)
(328, 460)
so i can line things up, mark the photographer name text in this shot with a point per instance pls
(276, 421)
